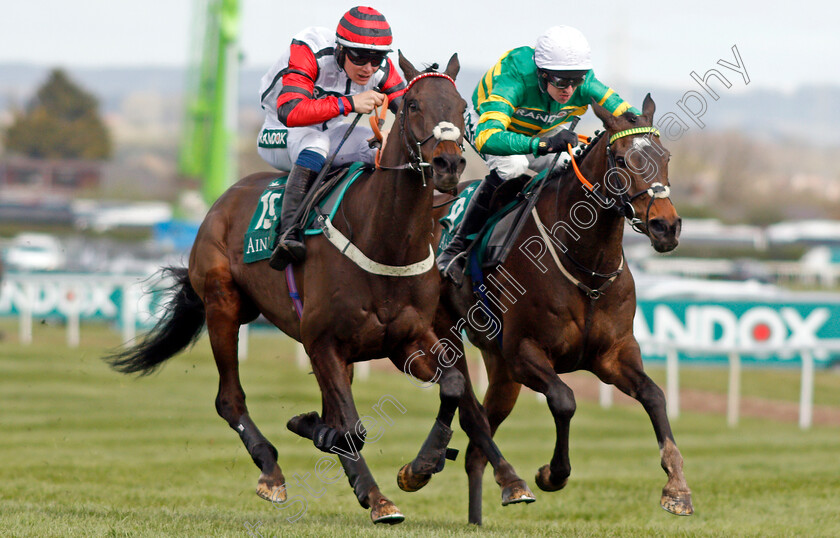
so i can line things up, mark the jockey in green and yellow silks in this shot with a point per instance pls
(516, 121)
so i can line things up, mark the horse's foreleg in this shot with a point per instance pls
(628, 375)
(481, 424)
(426, 362)
(223, 306)
(341, 432)
(532, 368)
(417, 361)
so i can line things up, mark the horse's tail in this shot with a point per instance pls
(178, 329)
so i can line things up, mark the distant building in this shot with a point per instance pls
(24, 177)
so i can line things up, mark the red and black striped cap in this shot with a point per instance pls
(364, 28)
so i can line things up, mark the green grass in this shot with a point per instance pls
(89, 452)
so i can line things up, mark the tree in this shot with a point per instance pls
(61, 122)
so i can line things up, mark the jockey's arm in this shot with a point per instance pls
(491, 134)
(392, 85)
(605, 96)
(296, 104)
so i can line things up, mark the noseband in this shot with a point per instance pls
(414, 147)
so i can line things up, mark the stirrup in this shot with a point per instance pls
(289, 250)
(455, 273)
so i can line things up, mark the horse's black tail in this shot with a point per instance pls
(178, 329)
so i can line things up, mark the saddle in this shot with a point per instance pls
(507, 205)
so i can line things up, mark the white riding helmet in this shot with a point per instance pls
(563, 48)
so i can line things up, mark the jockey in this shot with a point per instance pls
(515, 122)
(322, 78)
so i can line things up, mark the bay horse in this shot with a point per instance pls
(349, 314)
(577, 298)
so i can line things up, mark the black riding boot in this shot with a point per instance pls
(290, 247)
(452, 260)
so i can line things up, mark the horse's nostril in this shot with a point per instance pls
(445, 164)
(657, 226)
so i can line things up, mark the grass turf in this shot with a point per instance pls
(89, 452)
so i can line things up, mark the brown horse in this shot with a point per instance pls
(352, 310)
(566, 301)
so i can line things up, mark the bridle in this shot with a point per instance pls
(656, 189)
(624, 207)
(414, 144)
(625, 201)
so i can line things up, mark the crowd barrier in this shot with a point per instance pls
(783, 332)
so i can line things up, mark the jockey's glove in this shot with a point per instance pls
(556, 143)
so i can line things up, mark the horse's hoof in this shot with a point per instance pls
(543, 480)
(518, 492)
(386, 512)
(679, 504)
(304, 424)
(272, 487)
(408, 481)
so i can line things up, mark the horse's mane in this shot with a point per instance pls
(580, 155)
(431, 68)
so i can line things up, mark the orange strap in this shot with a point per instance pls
(582, 179)
(377, 119)
(584, 139)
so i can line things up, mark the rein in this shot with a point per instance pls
(442, 131)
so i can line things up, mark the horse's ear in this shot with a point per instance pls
(603, 114)
(408, 70)
(453, 67)
(648, 108)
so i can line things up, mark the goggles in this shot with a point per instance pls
(562, 82)
(363, 57)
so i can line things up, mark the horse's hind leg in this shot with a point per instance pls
(628, 375)
(341, 432)
(225, 312)
(481, 424)
(532, 368)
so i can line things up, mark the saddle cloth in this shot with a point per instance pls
(261, 235)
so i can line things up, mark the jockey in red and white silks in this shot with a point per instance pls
(307, 97)
(322, 78)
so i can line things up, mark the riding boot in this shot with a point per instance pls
(290, 247)
(452, 260)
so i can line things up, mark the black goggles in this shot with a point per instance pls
(363, 57)
(562, 82)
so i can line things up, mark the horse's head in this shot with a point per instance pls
(638, 174)
(432, 109)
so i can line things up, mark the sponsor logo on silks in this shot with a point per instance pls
(318, 92)
(542, 117)
(273, 138)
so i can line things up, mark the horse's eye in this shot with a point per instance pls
(619, 161)
(412, 105)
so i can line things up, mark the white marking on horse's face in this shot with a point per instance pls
(640, 142)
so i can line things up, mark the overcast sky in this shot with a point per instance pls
(659, 42)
